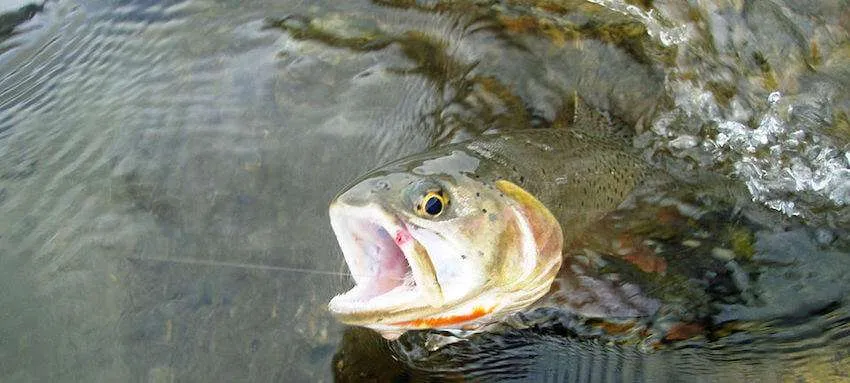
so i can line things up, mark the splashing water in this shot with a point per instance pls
(756, 102)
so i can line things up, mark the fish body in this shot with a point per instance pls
(466, 234)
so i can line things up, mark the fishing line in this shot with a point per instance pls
(203, 262)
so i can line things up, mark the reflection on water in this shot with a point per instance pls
(153, 153)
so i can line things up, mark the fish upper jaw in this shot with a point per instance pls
(392, 270)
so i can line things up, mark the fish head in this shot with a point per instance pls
(439, 248)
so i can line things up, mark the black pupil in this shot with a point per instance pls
(433, 206)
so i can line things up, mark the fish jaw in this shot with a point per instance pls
(396, 285)
(392, 270)
(490, 306)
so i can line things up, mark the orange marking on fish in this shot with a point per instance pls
(682, 331)
(439, 322)
(646, 261)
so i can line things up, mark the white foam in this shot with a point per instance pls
(771, 131)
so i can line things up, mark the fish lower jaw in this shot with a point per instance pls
(466, 315)
(352, 308)
(471, 315)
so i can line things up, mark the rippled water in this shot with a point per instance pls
(165, 169)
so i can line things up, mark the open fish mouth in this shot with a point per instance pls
(392, 271)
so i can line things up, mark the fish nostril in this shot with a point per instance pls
(380, 185)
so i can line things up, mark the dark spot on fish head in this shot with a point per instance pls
(463, 256)
(480, 253)
(484, 210)
(478, 194)
(521, 179)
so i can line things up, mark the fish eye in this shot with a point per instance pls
(432, 204)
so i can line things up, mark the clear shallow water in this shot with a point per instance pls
(153, 153)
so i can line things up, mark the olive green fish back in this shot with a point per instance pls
(578, 176)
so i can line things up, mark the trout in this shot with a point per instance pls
(466, 234)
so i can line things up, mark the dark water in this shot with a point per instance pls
(165, 169)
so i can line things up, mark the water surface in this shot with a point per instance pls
(165, 169)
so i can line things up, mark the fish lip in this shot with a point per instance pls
(349, 307)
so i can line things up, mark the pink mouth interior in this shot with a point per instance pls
(385, 261)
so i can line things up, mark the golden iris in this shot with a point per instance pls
(433, 204)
